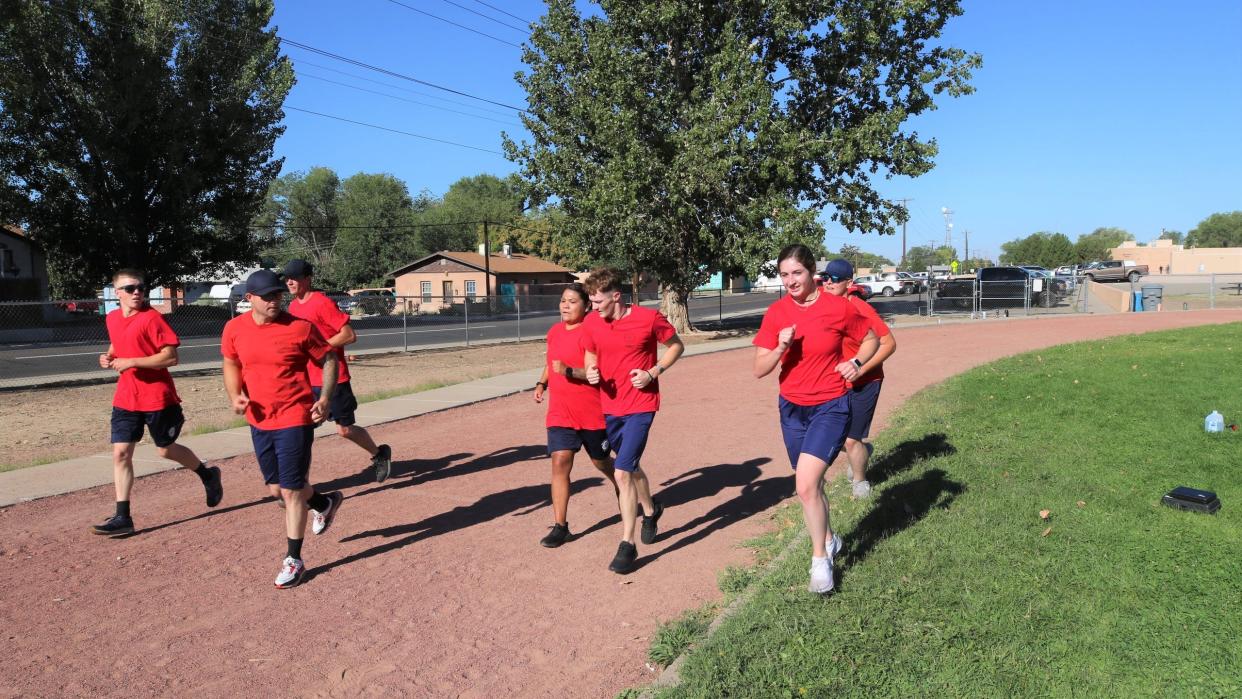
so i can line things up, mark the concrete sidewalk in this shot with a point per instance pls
(95, 470)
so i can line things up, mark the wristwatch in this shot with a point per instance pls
(569, 372)
(857, 364)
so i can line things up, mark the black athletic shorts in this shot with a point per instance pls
(342, 405)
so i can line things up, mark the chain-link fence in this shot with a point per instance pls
(48, 342)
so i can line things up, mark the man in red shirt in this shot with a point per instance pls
(266, 353)
(865, 389)
(141, 348)
(333, 324)
(620, 342)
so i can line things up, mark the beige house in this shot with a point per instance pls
(23, 267)
(441, 279)
(1163, 257)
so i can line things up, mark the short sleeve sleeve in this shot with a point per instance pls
(314, 343)
(228, 344)
(162, 334)
(874, 321)
(661, 328)
(331, 315)
(769, 330)
(588, 337)
(856, 324)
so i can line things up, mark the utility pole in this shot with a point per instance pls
(903, 230)
(948, 226)
(966, 235)
(487, 264)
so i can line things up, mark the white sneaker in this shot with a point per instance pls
(862, 490)
(320, 521)
(290, 573)
(822, 579)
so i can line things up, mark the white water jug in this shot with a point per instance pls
(1214, 422)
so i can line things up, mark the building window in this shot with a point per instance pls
(425, 288)
(7, 268)
(470, 289)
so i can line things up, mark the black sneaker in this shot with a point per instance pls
(382, 463)
(115, 526)
(623, 562)
(649, 530)
(214, 486)
(556, 537)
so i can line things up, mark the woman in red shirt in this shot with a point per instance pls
(805, 333)
(575, 419)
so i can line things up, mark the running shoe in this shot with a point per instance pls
(623, 562)
(556, 537)
(214, 486)
(115, 526)
(649, 530)
(822, 578)
(291, 571)
(382, 463)
(320, 521)
(862, 490)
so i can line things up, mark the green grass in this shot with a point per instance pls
(33, 462)
(951, 583)
(217, 427)
(674, 637)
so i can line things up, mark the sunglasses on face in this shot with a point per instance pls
(133, 288)
(836, 280)
(272, 296)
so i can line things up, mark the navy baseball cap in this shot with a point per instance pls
(299, 269)
(262, 282)
(840, 269)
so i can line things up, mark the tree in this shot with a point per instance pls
(458, 218)
(685, 137)
(1176, 236)
(299, 219)
(138, 133)
(1043, 248)
(857, 257)
(1099, 244)
(1220, 230)
(375, 234)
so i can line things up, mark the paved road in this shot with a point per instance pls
(28, 363)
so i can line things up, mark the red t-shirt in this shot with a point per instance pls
(809, 367)
(141, 335)
(877, 324)
(273, 361)
(572, 403)
(621, 346)
(328, 319)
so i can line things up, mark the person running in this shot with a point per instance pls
(266, 352)
(575, 419)
(620, 343)
(333, 324)
(141, 348)
(804, 332)
(864, 390)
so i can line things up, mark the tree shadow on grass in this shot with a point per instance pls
(484, 509)
(694, 485)
(896, 509)
(905, 455)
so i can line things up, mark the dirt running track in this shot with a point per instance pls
(433, 583)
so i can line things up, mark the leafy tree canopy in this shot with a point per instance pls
(1045, 249)
(138, 132)
(1099, 243)
(1221, 230)
(860, 258)
(1176, 236)
(685, 136)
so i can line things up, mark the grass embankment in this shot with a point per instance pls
(951, 582)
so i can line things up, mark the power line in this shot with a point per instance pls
(455, 24)
(412, 91)
(487, 17)
(404, 99)
(397, 131)
(392, 227)
(524, 21)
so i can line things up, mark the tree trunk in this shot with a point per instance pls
(674, 302)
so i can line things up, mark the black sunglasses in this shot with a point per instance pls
(835, 279)
(131, 288)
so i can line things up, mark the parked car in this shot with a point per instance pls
(370, 301)
(1003, 287)
(920, 284)
(1115, 271)
(242, 306)
(887, 284)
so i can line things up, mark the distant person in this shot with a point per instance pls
(266, 353)
(805, 334)
(141, 348)
(864, 390)
(575, 419)
(333, 324)
(620, 346)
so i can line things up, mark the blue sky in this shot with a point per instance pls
(1086, 114)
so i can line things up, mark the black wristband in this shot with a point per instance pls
(857, 364)
(540, 383)
(569, 372)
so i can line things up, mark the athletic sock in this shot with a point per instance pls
(318, 502)
(295, 549)
(122, 508)
(201, 471)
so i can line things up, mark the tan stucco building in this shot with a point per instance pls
(1164, 257)
(445, 277)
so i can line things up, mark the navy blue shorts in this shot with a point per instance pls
(341, 405)
(284, 455)
(627, 435)
(862, 409)
(569, 439)
(164, 425)
(818, 430)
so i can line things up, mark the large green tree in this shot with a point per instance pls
(684, 136)
(375, 234)
(1221, 230)
(1045, 249)
(138, 132)
(1099, 244)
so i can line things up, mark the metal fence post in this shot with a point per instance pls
(720, 305)
(517, 302)
(1212, 292)
(405, 334)
(465, 304)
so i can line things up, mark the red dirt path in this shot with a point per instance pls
(433, 583)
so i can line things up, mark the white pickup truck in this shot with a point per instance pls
(887, 284)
